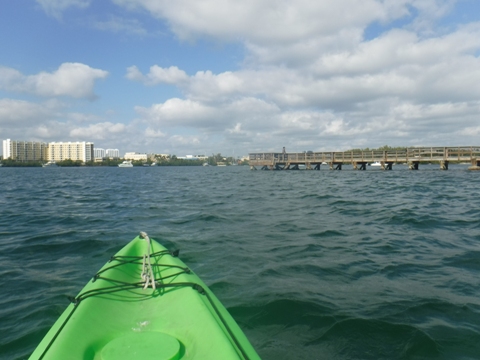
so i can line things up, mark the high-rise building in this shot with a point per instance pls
(112, 153)
(24, 150)
(59, 151)
(99, 153)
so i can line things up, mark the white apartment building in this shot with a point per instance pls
(135, 156)
(59, 151)
(24, 150)
(112, 153)
(99, 153)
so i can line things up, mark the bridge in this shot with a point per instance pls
(360, 159)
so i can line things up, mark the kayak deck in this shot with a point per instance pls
(145, 303)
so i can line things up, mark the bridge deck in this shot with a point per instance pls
(412, 156)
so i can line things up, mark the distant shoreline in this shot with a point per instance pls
(30, 165)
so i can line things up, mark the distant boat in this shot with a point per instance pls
(221, 164)
(126, 163)
(206, 164)
(50, 164)
(153, 164)
(376, 163)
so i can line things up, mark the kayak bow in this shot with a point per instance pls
(145, 303)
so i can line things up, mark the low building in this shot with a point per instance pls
(135, 156)
(188, 157)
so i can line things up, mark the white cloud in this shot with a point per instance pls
(70, 79)
(280, 23)
(178, 112)
(400, 49)
(52, 121)
(20, 113)
(155, 134)
(57, 7)
(264, 21)
(80, 118)
(48, 131)
(135, 75)
(430, 11)
(310, 78)
(254, 114)
(397, 64)
(98, 131)
(157, 75)
(22, 120)
(182, 140)
(473, 132)
(10, 79)
(117, 24)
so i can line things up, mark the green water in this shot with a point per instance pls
(312, 264)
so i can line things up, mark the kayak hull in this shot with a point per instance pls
(116, 317)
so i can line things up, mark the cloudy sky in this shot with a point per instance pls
(208, 76)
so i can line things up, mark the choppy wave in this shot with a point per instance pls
(312, 264)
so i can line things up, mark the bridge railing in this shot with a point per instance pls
(462, 153)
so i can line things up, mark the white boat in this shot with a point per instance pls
(50, 164)
(376, 163)
(206, 164)
(126, 163)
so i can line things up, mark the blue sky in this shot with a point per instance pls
(189, 77)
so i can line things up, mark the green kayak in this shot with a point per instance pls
(145, 304)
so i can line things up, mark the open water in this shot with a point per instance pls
(312, 264)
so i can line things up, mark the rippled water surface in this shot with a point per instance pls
(312, 264)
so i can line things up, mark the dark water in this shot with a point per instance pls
(312, 264)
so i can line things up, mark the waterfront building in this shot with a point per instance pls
(59, 151)
(135, 156)
(112, 153)
(99, 153)
(188, 157)
(193, 157)
(24, 150)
